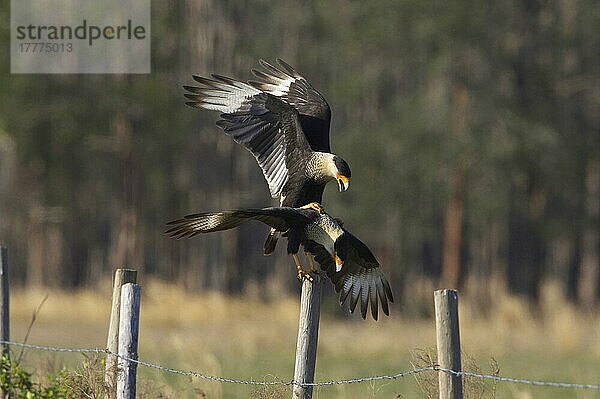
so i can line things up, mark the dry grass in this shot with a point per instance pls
(472, 387)
(248, 338)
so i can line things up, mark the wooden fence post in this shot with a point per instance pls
(5, 311)
(129, 325)
(448, 343)
(4, 293)
(122, 276)
(308, 331)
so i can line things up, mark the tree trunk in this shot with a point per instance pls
(525, 244)
(453, 236)
(574, 270)
(127, 244)
(453, 215)
(590, 239)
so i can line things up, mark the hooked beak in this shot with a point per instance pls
(338, 263)
(343, 182)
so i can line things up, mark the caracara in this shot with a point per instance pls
(284, 122)
(346, 260)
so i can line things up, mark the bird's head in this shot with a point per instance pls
(340, 251)
(342, 173)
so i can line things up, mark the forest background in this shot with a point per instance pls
(472, 130)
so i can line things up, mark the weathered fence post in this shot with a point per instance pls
(5, 311)
(308, 330)
(122, 276)
(448, 343)
(4, 293)
(128, 340)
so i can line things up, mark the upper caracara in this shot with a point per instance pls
(284, 122)
(345, 259)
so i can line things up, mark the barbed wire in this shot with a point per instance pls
(432, 368)
(519, 380)
(207, 376)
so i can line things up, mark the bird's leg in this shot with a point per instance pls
(311, 262)
(300, 271)
(313, 269)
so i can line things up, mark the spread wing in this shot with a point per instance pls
(266, 126)
(285, 83)
(361, 277)
(280, 219)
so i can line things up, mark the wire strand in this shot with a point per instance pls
(208, 377)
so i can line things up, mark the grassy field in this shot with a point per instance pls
(250, 339)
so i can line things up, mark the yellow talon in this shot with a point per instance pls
(300, 272)
(314, 206)
(303, 275)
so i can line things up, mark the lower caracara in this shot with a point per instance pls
(346, 260)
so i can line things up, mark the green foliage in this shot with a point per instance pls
(86, 380)
(18, 383)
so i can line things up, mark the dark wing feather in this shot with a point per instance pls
(266, 126)
(298, 190)
(297, 187)
(280, 219)
(297, 149)
(247, 121)
(360, 279)
(284, 82)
